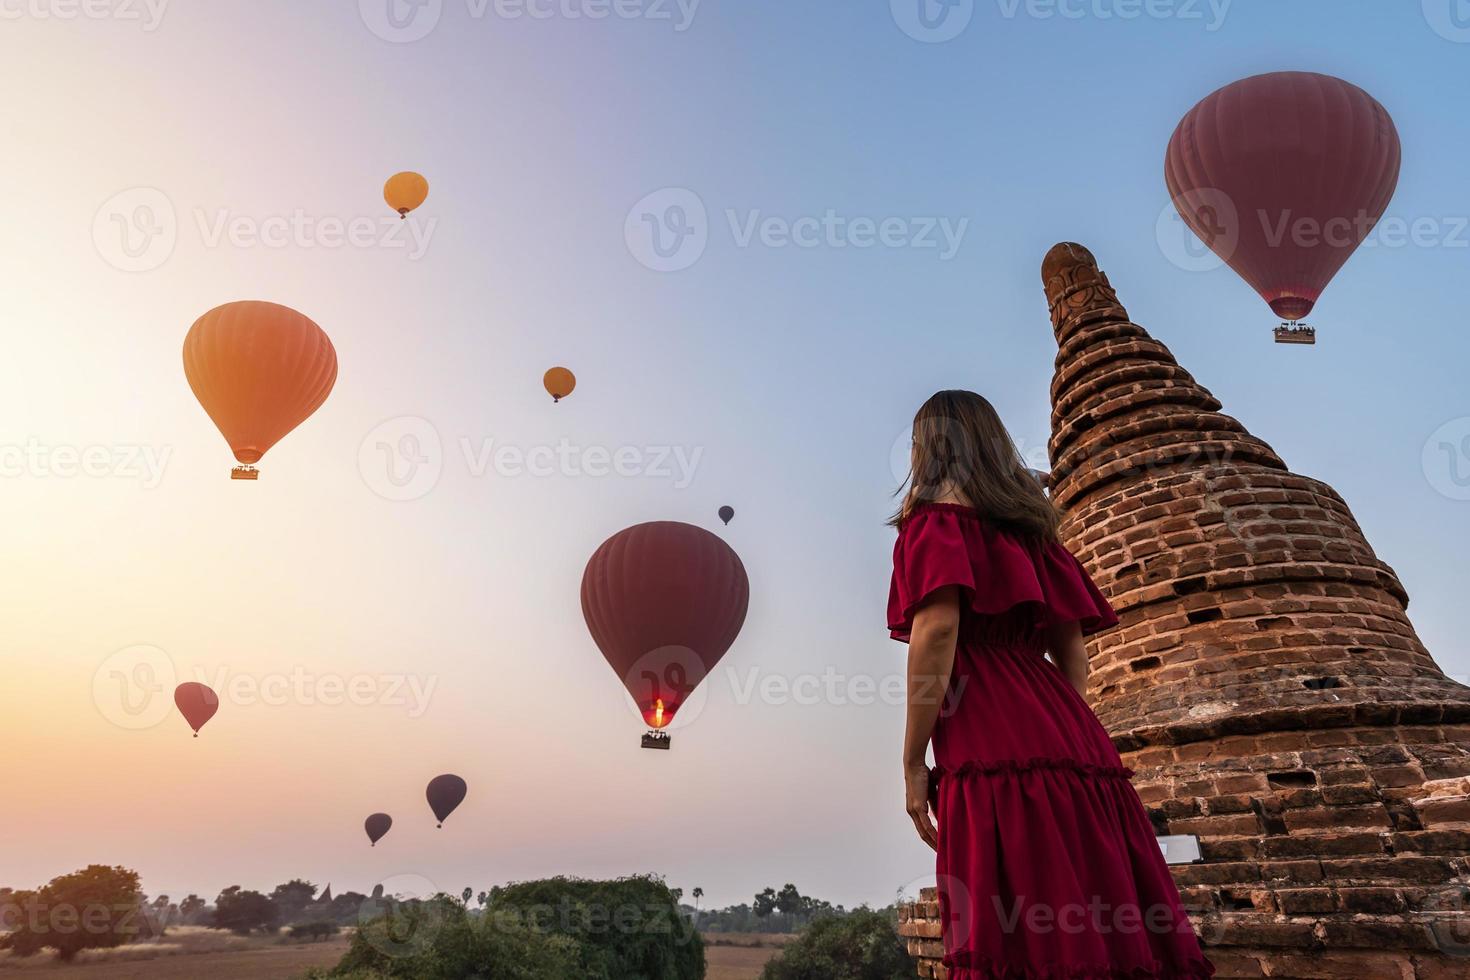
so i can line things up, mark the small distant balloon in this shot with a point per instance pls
(445, 793)
(197, 703)
(376, 826)
(726, 513)
(559, 383)
(405, 191)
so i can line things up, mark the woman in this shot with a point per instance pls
(1048, 867)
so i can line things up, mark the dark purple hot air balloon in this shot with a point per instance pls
(1283, 175)
(445, 793)
(663, 602)
(727, 513)
(376, 826)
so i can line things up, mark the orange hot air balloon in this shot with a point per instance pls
(259, 370)
(559, 383)
(405, 191)
(197, 703)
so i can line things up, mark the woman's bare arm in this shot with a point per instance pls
(1069, 653)
(931, 660)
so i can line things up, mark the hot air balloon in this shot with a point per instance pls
(376, 826)
(727, 513)
(559, 383)
(445, 793)
(405, 191)
(259, 370)
(1283, 175)
(663, 602)
(197, 703)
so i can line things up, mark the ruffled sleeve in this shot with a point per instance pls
(944, 544)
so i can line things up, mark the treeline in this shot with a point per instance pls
(773, 911)
(102, 906)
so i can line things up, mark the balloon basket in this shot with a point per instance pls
(1293, 333)
(244, 473)
(657, 740)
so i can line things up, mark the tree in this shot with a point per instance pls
(863, 945)
(96, 907)
(789, 901)
(243, 912)
(190, 908)
(292, 898)
(765, 902)
(698, 893)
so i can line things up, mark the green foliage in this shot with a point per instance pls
(96, 907)
(439, 939)
(862, 945)
(785, 911)
(292, 898)
(631, 927)
(539, 930)
(243, 912)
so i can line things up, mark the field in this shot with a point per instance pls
(201, 953)
(198, 953)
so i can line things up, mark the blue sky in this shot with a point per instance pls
(785, 372)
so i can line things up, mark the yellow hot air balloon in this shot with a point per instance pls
(559, 383)
(405, 191)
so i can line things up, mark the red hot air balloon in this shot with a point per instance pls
(259, 370)
(197, 703)
(1283, 176)
(445, 793)
(376, 826)
(663, 602)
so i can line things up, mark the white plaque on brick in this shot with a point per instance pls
(1180, 849)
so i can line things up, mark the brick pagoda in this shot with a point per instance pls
(1264, 682)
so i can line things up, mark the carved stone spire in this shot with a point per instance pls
(1265, 681)
(1249, 599)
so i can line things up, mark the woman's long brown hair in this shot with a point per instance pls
(961, 447)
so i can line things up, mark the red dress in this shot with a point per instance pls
(1048, 866)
